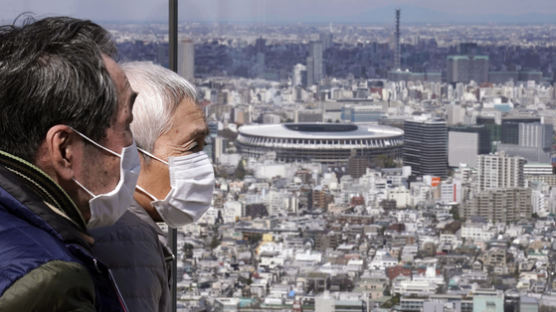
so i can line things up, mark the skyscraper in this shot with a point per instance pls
(425, 147)
(259, 66)
(260, 45)
(186, 59)
(310, 71)
(464, 68)
(326, 38)
(397, 53)
(315, 63)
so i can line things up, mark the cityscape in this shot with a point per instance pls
(369, 167)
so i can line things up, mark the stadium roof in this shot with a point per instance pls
(320, 131)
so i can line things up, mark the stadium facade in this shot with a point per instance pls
(325, 143)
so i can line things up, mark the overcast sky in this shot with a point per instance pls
(287, 11)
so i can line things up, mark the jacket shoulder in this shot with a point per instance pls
(24, 248)
(54, 286)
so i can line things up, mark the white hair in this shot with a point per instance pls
(160, 92)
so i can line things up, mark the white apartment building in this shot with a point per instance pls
(232, 211)
(451, 192)
(500, 171)
(537, 169)
(414, 287)
(477, 231)
(382, 260)
(401, 195)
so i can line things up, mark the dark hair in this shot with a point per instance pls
(52, 72)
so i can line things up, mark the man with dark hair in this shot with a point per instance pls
(68, 163)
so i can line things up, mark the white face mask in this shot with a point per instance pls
(192, 182)
(107, 208)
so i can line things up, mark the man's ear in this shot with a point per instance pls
(61, 146)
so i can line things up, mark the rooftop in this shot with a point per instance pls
(320, 131)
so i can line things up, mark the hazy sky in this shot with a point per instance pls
(270, 11)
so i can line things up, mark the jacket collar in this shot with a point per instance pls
(142, 214)
(44, 197)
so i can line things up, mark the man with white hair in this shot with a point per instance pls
(175, 185)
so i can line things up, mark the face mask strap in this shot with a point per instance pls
(96, 144)
(152, 156)
(83, 187)
(146, 193)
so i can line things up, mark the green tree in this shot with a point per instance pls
(392, 302)
(215, 242)
(455, 213)
(239, 174)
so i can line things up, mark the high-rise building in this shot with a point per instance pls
(260, 44)
(397, 52)
(259, 66)
(186, 59)
(500, 171)
(466, 143)
(310, 71)
(326, 39)
(509, 132)
(297, 77)
(534, 141)
(315, 63)
(464, 68)
(500, 205)
(492, 127)
(426, 147)
(536, 135)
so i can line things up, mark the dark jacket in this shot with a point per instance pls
(142, 274)
(45, 259)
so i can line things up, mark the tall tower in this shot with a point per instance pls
(186, 59)
(315, 63)
(260, 47)
(397, 53)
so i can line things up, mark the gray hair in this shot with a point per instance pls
(52, 72)
(160, 92)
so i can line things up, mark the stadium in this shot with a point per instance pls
(326, 143)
